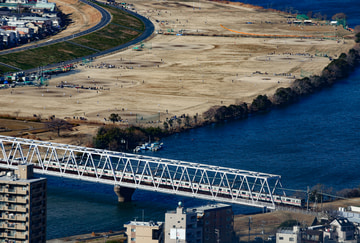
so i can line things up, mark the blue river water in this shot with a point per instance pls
(316, 140)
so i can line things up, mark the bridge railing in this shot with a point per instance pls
(143, 172)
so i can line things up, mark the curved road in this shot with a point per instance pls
(105, 20)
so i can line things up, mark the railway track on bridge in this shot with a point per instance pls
(135, 171)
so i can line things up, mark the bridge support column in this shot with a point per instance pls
(124, 193)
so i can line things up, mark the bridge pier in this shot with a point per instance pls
(124, 193)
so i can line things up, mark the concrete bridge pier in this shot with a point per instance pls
(124, 193)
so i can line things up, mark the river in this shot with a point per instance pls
(316, 140)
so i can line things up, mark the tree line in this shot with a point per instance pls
(113, 137)
(337, 69)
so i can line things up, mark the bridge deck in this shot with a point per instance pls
(144, 172)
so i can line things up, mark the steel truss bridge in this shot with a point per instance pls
(134, 171)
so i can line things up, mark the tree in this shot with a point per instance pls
(309, 14)
(357, 29)
(187, 121)
(289, 223)
(320, 193)
(179, 121)
(261, 103)
(166, 125)
(17, 113)
(339, 16)
(357, 37)
(58, 124)
(171, 122)
(114, 117)
(284, 96)
(195, 119)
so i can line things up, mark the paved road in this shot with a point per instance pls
(106, 18)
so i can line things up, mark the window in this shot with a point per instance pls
(281, 238)
(156, 234)
(291, 239)
(133, 239)
(133, 230)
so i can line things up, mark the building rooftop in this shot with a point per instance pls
(142, 223)
(11, 176)
(203, 208)
(286, 231)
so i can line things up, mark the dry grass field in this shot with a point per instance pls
(191, 63)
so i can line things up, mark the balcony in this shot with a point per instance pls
(21, 218)
(18, 236)
(11, 190)
(13, 208)
(22, 200)
(20, 227)
(18, 191)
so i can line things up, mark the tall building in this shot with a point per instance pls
(210, 224)
(22, 206)
(217, 222)
(144, 232)
(181, 226)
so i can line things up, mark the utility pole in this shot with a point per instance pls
(321, 200)
(307, 193)
(249, 228)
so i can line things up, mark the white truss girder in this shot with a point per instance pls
(144, 172)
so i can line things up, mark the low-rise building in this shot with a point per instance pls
(289, 235)
(144, 232)
(340, 230)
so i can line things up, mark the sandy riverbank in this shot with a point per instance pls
(185, 74)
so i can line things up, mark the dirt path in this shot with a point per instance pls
(190, 65)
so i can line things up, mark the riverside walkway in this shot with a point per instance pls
(128, 172)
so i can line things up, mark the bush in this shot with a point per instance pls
(119, 139)
(284, 96)
(289, 223)
(261, 103)
(357, 38)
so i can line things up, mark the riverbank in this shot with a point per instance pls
(190, 65)
(262, 225)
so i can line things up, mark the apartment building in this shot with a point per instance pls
(216, 221)
(212, 223)
(181, 226)
(22, 206)
(144, 232)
